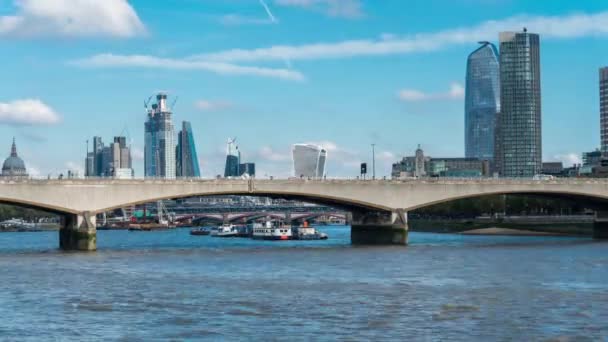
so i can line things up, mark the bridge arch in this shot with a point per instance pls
(321, 199)
(592, 200)
(49, 208)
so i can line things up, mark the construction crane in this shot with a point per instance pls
(146, 102)
(173, 103)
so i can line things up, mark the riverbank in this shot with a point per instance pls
(455, 226)
(508, 232)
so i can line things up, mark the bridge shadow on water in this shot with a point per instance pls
(180, 239)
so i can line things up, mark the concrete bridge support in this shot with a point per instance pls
(600, 225)
(78, 232)
(379, 228)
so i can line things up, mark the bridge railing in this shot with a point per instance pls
(428, 180)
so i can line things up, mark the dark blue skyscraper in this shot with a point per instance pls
(482, 101)
(233, 159)
(186, 157)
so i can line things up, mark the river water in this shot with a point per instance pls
(172, 286)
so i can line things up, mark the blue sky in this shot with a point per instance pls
(342, 73)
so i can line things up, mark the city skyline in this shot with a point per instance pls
(393, 95)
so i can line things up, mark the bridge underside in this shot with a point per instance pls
(379, 228)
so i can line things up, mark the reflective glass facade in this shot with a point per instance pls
(186, 157)
(159, 150)
(233, 160)
(482, 101)
(604, 109)
(519, 121)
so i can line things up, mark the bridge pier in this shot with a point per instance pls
(78, 232)
(379, 228)
(600, 225)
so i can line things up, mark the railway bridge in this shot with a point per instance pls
(379, 208)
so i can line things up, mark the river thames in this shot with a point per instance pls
(168, 285)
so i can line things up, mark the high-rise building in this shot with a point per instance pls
(247, 169)
(159, 150)
(420, 163)
(482, 101)
(309, 160)
(604, 109)
(519, 121)
(186, 157)
(109, 161)
(233, 159)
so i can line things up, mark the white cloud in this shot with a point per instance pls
(144, 61)
(333, 8)
(556, 27)
(72, 18)
(456, 92)
(212, 106)
(27, 112)
(268, 154)
(568, 159)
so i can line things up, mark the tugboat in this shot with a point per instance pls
(225, 230)
(270, 232)
(306, 232)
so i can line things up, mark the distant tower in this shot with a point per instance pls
(519, 121)
(420, 170)
(482, 101)
(186, 157)
(233, 159)
(159, 151)
(309, 160)
(604, 110)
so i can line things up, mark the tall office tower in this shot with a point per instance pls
(233, 159)
(482, 101)
(186, 157)
(519, 120)
(109, 161)
(604, 109)
(309, 160)
(89, 165)
(159, 150)
(247, 169)
(97, 148)
(420, 163)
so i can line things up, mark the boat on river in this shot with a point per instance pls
(306, 232)
(200, 231)
(269, 231)
(225, 231)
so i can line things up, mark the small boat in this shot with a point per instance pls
(225, 230)
(270, 232)
(200, 231)
(306, 232)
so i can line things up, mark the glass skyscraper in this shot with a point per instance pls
(186, 157)
(604, 109)
(309, 161)
(233, 159)
(519, 121)
(159, 151)
(482, 101)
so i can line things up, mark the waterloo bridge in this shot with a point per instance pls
(378, 208)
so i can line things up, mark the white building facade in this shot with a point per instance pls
(309, 161)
